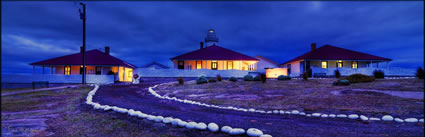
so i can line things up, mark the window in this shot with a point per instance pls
(130, 74)
(198, 64)
(339, 64)
(180, 64)
(354, 64)
(214, 65)
(229, 64)
(67, 70)
(324, 64)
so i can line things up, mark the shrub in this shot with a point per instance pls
(233, 79)
(218, 78)
(263, 78)
(305, 76)
(212, 80)
(309, 72)
(356, 78)
(110, 73)
(342, 82)
(283, 77)
(420, 73)
(181, 80)
(248, 78)
(378, 74)
(257, 78)
(201, 80)
(337, 74)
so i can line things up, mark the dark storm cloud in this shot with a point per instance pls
(141, 32)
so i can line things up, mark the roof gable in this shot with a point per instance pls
(93, 57)
(213, 52)
(155, 63)
(329, 52)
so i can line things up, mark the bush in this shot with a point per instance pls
(337, 74)
(110, 73)
(305, 76)
(356, 78)
(218, 78)
(342, 82)
(212, 80)
(233, 79)
(378, 74)
(201, 80)
(257, 78)
(283, 77)
(309, 72)
(263, 78)
(248, 78)
(420, 73)
(181, 80)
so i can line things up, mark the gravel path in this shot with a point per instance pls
(137, 97)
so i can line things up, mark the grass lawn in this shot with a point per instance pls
(318, 95)
(62, 112)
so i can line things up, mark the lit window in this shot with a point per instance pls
(229, 64)
(130, 74)
(214, 65)
(339, 63)
(355, 64)
(67, 70)
(324, 64)
(198, 64)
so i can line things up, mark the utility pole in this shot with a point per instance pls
(83, 17)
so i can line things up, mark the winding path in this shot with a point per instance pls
(137, 97)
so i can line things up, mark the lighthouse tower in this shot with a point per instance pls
(211, 38)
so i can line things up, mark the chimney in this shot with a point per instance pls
(313, 46)
(106, 50)
(81, 49)
(202, 45)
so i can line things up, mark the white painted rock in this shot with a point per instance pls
(341, 115)
(411, 120)
(324, 115)
(275, 111)
(213, 127)
(281, 112)
(182, 123)
(296, 112)
(421, 120)
(251, 110)
(269, 112)
(201, 126)
(364, 118)
(399, 120)
(237, 131)
(150, 117)
(353, 116)
(167, 120)
(316, 114)
(302, 113)
(266, 135)
(387, 118)
(253, 132)
(332, 115)
(226, 129)
(374, 119)
(158, 119)
(191, 125)
(308, 115)
(287, 112)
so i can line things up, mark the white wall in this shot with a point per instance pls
(28, 78)
(295, 68)
(392, 71)
(264, 64)
(189, 73)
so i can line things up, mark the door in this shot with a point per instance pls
(180, 64)
(214, 65)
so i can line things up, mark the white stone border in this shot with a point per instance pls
(213, 127)
(282, 112)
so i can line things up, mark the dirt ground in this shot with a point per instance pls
(318, 95)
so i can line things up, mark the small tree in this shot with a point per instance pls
(305, 76)
(181, 80)
(263, 77)
(378, 74)
(337, 74)
(420, 73)
(218, 78)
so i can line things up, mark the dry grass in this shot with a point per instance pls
(311, 95)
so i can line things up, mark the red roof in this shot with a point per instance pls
(93, 57)
(329, 52)
(213, 52)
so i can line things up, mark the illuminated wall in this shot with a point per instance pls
(275, 72)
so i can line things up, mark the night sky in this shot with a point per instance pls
(142, 32)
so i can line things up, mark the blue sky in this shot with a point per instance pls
(142, 32)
